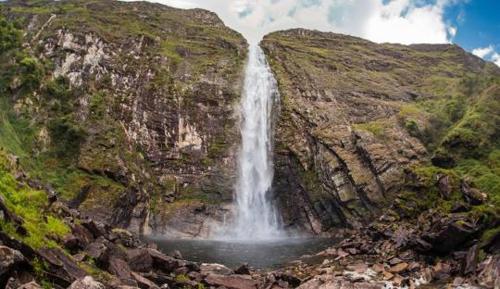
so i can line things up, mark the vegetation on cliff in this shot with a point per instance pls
(106, 100)
(363, 124)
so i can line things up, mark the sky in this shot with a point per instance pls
(472, 24)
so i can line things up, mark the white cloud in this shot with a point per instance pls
(488, 53)
(483, 52)
(401, 21)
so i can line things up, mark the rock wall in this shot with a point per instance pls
(152, 90)
(350, 127)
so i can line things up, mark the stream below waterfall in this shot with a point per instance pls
(258, 254)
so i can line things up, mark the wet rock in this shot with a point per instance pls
(61, 268)
(86, 282)
(231, 281)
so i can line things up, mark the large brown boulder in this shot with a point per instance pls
(61, 268)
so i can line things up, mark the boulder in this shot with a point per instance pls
(97, 250)
(8, 241)
(243, 270)
(143, 282)
(95, 228)
(398, 268)
(213, 268)
(472, 195)
(139, 260)
(126, 238)
(83, 235)
(86, 282)
(119, 268)
(444, 186)
(163, 262)
(61, 268)
(489, 276)
(471, 260)
(9, 260)
(231, 281)
(447, 234)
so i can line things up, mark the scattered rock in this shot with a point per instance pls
(243, 270)
(119, 268)
(9, 259)
(86, 282)
(231, 281)
(140, 260)
(401, 267)
(215, 269)
(472, 195)
(444, 186)
(144, 283)
(62, 269)
(471, 260)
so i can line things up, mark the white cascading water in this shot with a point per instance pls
(256, 218)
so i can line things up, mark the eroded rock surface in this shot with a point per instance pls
(348, 128)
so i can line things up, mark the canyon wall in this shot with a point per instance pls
(130, 110)
(357, 119)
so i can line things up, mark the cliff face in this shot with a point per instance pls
(360, 122)
(126, 109)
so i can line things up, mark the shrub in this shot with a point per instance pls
(67, 136)
(10, 37)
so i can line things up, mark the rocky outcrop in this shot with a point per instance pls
(350, 126)
(135, 106)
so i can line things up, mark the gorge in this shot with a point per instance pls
(126, 122)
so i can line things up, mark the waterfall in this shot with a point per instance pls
(256, 217)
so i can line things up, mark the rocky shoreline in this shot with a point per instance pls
(385, 254)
